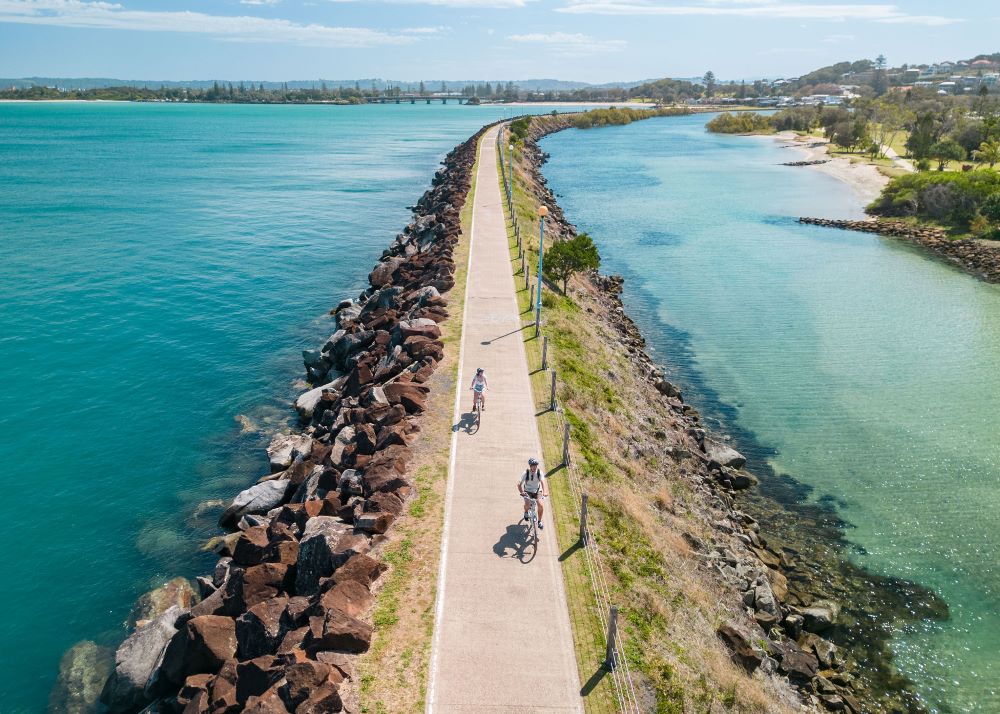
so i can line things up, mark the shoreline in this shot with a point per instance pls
(809, 548)
(866, 180)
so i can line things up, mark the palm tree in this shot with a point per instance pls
(988, 153)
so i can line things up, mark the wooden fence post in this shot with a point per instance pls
(545, 352)
(565, 444)
(552, 402)
(610, 656)
(531, 298)
(584, 536)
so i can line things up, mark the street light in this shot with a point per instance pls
(510, 173)
(542, 212)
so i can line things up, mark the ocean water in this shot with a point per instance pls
(161, 267)
(871, 370)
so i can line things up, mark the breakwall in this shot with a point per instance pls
(277, 624)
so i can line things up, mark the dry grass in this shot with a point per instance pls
(393, 673)
(641, 501)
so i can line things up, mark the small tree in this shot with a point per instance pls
(988, 153)
(990, 208)
(566, 258)
(946, 150)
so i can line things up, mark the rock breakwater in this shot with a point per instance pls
(282, 616)
(978, 257)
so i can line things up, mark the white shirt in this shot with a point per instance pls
(532, 483)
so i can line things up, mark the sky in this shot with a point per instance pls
(410, 40)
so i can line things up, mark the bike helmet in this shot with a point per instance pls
(532, 461)
(480, 370)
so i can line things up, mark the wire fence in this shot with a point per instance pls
(615, 660)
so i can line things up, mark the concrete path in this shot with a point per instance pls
(502, 638)
(902, 163)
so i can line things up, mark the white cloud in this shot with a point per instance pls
(423, 30)
(259, 2)
(570, 44)
(837, 39)
(765, 9)
(479, 4)
(113, 16)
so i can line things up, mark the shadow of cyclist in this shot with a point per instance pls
(515, 540)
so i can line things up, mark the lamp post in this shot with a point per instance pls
(510, 171)
(542, 212)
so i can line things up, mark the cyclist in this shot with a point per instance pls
(479, 386)
(531, 486)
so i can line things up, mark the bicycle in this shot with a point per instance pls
(531, 529)
(477, 405)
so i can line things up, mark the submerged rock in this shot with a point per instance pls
(83, 671)
(154, 603)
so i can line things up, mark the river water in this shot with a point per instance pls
(161, 267)
(872, 371)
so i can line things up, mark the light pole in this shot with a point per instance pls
(542, 212)
(510, 174)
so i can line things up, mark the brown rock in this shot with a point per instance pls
(350, 597)
(385, 503)
(359, 568)
(321, 701)
(250, 547)
(154, 603)
(259, 630)
(374, 522)
(270, 702)
(194, 687)
(739, 642)
(364, 439)
(247, 587)
(412, 397)
(255, 677)
(200, 647)
(339, 631)
(324, 546)
(222, 690)
(301, 678)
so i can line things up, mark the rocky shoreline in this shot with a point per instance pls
(277, 624)
(978, 257)
(812, 617)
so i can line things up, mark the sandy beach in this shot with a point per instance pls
(866, 180)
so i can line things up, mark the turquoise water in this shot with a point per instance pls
(161, 267)
(873, 371)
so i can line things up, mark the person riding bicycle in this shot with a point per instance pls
(479, 386)
(531, 486)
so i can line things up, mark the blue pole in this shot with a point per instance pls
(541, 255)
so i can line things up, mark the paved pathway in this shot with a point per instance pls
(502, 638)
(902, 163)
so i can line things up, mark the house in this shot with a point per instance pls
(911, 75)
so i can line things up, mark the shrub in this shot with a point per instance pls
(571, 256)
(951, 198)
(740, 123)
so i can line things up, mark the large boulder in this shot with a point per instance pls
(740, 643)
(338, 631)
(327, 543)
(135, 663)
(83, 670)
(150, 605)
(308, 401)
(724, 455)
(259, 630)
(259, 498)
(283, 449)
(200, 647)
(413, 397)
(419, 327)
(820, 616)
(382, 274)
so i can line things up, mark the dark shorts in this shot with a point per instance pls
(529, 494)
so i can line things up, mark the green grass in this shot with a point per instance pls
(568, 357)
